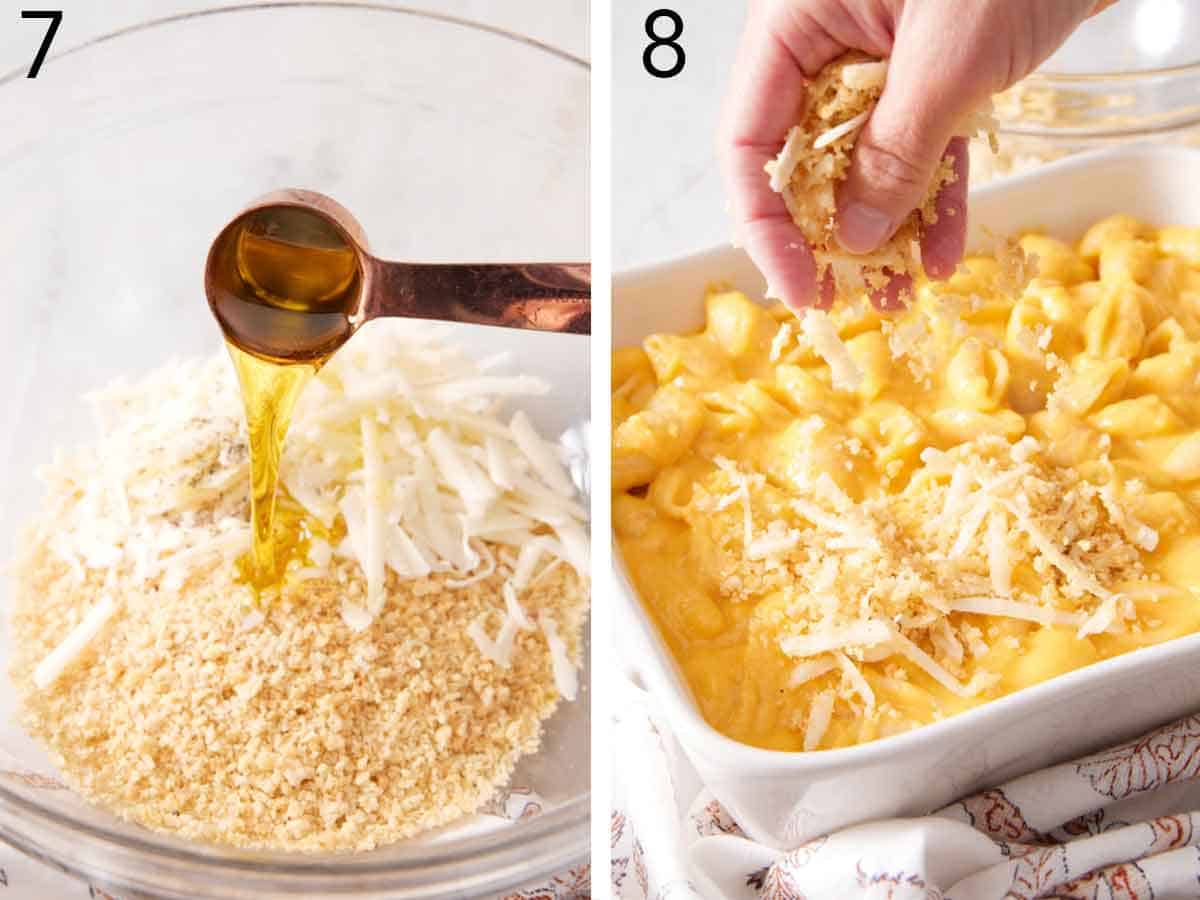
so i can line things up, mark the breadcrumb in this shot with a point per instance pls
(816, 157)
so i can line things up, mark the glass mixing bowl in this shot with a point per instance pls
(1130, 74)
(118, 165)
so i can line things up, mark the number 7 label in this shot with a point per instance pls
(55, 16)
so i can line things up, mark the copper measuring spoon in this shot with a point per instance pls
(290, 279)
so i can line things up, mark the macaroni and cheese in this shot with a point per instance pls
(1006, 491)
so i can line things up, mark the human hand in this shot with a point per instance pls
(947, 57)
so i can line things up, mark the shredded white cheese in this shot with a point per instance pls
(541, 455)
(931, 666)
(1078, 578)
(1103, 619)
(822, 336)
(1139, 533)
(565, 676)
(999, 552)
(784, 165)
(531, 553)
(857, 681)
(968, 527)
(946, 642)
(865, 76)
(50, 668)
(850, 125)
(810, 669)
(499, 650)
(500, 465)
(485, 571)
(513, 608)
(1005, 608)
(861, 634)
(784, 336)
(477, 491)
(372, 561)
(820, 714)
(774, 541)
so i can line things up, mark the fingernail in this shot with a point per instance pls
(862, 229)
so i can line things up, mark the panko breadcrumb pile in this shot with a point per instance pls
(816, 157)
(315, 722)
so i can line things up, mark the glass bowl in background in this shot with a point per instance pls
(118, 165)
(1130, 74)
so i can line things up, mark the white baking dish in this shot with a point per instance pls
(782, 798)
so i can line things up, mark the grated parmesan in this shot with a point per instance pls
(1003, 607)
(822, 336)
(372, 558)
(50, 668)
(512, 608)
(999, 554)
(820, 714)
(810, 669)
(862, 634)
(565, 676)
(825, 138)
(780, 341)
(857, 682)
(541, 456)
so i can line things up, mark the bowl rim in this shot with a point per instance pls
(517, 852)
(661, 671)
(504, 847)
(1121, 77)
(351, 5)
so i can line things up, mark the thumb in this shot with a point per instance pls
(947, 58)
(934, 78)
(895, 158)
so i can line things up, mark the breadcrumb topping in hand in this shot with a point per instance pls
(816, 156)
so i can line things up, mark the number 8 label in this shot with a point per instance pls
(668, 40)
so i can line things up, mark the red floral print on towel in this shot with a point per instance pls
(1035, 873)
(896, 886)
(1164, 756)
(1124, 882)
(712, 819)
(998, 817)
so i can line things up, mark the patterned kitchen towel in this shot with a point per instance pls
(1115, 825)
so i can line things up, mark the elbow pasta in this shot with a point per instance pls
(1097, 357)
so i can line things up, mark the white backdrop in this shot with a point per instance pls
(667, 196)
